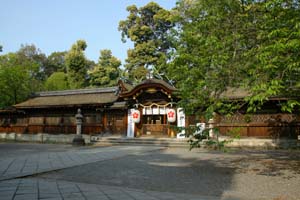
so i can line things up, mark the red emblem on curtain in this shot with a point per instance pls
(136, 116)
(171, 115)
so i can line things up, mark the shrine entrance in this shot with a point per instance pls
(152, 105)
(154, 123)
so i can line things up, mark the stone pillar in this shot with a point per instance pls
(78, 139)
(211, 126)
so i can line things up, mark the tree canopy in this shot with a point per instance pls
(148, 28)
(56, 63)
(107, 71)
(57, 81)
(21, 74)
(205, 46)
(76, 63)
(15, 80)
(235, 44)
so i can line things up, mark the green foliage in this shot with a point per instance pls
(209, 54)
(15, 81)
(290, 105)
(28, 70)
(275, 58)
(252, 45)
(55, 63)
(149, 29)
(21, 74)
(195, 141)
(1, 48)
(76, 63)
(35, 61)
(107, 72)
(57, 81)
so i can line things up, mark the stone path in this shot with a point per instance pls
(17, 173)
(40, 171)
(31, 189)
(21, 166)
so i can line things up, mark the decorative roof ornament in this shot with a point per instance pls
(162, 76)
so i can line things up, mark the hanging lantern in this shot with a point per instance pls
(171, 115)
(136, 116)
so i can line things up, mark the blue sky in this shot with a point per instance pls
(54, 25)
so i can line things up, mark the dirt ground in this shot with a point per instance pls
(241, 174)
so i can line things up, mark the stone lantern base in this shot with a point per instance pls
(78, 141)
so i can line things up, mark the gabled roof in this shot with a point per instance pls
(65, 98)
(149, 83)
(94, 97)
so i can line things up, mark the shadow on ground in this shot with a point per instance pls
(157, 171)
(247, 174)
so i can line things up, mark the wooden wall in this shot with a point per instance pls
(280, 125)
(58, 123)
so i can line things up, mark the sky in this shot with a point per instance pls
(54, 25)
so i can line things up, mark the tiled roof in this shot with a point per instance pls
(71, 98)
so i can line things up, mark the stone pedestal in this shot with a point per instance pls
(78, 139)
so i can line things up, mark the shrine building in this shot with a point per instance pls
(148, 109)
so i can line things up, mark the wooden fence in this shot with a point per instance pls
(52, 129)
(261, 125)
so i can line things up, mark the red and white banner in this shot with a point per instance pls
(171, 115)
(136, 116)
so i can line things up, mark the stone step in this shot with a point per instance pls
(163, 142)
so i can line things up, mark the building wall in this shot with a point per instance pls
(275, 125)
(63, 122)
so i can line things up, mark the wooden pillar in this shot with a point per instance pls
(125, 122)
(104, 121)
(44, 124)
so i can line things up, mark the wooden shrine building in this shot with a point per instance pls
(147, 109)
(105, 110)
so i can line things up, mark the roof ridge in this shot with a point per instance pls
(76, 91)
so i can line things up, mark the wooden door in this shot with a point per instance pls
(116, 123)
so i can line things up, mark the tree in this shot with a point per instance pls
(210, 53)
(275, 65)
(242, 44)
(55, 63)
(149, 29)
(1, 48)
(34, 59)
(31, 58)
(107, 71)
(253, 45)
(77, 65)
(15, 81)
(57, 81)
(21, 74)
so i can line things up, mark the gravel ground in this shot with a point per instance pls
(242, 174)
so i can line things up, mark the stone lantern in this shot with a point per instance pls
(78, 139)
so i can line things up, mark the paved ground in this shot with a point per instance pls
(36, 171)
